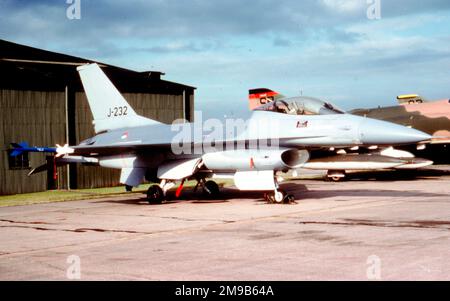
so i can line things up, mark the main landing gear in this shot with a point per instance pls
(156, 194)
(211, 189)
(278, 197)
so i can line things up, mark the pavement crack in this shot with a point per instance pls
(28, 223)
(421, 224)
(197, 219)
(80, 230)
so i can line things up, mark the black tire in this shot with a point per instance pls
(289, 199)
(211, 189)
(268, 197)
(155, 195)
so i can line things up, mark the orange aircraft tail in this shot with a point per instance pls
(260, 96)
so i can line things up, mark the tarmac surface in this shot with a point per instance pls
(393, 227)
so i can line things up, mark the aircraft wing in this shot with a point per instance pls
(114, 149)
(134, 147)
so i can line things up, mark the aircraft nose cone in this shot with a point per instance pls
(373, 131)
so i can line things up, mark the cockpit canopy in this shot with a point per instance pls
(300, 106)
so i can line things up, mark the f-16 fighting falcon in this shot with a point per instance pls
(278, 137)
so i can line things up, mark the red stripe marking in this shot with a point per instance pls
(265, 94)
(178, 192)
(55, 172)
(252, 163)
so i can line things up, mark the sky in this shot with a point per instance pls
(345, 51)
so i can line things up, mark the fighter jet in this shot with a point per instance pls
(278, 137)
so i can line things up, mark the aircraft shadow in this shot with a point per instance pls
(399, 175)
(322, 194)
(298, 190)
(226, 194)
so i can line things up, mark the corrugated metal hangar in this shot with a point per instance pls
(42, 102)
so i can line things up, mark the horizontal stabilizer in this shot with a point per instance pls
(38, 169)
(61, 161)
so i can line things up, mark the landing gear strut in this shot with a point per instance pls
(278, 196)
(210, 188)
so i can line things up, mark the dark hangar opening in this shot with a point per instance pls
(42, 102)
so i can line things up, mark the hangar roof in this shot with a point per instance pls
(24, 67)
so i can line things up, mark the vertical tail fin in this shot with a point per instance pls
(109, 108)
(260, 96)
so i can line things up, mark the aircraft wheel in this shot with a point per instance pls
(336, 175)
(211, 189)
(155, 195)
(336, 178)
(278, 197)
(289, 199)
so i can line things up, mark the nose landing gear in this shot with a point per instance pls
(156, 194)
(278, 197)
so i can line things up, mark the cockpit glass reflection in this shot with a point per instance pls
(300, 106)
